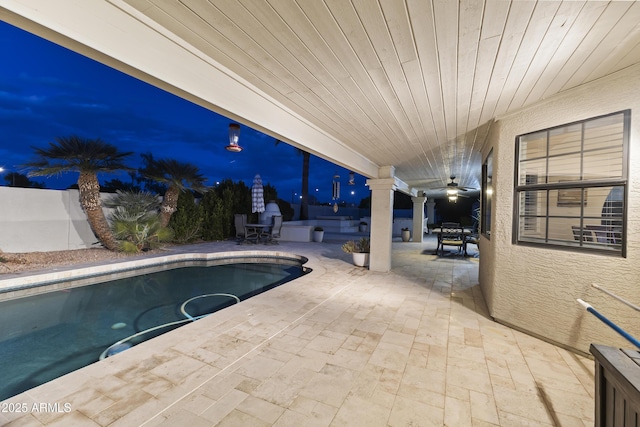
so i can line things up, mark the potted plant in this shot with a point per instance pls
(406, 234)
(363, 227)
(359, 251)
(318, 234)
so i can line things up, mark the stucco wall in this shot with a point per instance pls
(34, 219)
(535, 289)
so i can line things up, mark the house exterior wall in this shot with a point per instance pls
(534, 289)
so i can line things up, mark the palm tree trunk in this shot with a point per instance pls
(304, 205)
(89, 190)
(169, 204)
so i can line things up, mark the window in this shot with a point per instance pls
(571, 183)
(487, 193)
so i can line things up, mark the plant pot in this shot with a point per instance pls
(406, 235)
(360, 259)
(318, 236)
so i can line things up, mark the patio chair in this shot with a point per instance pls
(587, 235)
(473, 238)
(239, 221)
(603, 233)
(451, 234)
(273, 232)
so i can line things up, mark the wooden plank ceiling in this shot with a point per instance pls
(411, 83)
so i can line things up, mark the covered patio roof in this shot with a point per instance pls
(412, 84)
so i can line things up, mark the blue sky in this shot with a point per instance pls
(47, 91)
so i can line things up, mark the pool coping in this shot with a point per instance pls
(15, 287)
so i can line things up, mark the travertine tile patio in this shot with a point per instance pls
(342, 346)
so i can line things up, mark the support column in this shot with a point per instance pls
(418, 218)
(381, 219)
(431, 212)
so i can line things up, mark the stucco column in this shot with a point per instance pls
(431, 211)
(418, 218)
(381, 220)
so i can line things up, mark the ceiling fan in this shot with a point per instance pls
(453, 185)
(453, 189)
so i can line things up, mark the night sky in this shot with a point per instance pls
(47, 91)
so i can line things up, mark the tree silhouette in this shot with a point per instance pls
(15, 179)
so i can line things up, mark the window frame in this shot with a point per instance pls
(582, 184)
(487, 199)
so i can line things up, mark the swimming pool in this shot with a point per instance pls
(50, 334)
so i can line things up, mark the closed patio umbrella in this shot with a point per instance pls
(257, 195)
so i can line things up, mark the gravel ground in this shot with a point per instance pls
(18, 262)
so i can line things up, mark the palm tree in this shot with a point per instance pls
(177, 176)
(88, 157)
(304, 202)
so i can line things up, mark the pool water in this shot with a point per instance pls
(46, 336)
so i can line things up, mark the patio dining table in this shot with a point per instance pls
(467, 232)
(253, 231)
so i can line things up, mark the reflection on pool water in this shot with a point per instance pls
(45, 336)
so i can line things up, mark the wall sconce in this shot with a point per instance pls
(234, 137)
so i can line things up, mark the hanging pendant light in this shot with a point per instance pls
(234, 137)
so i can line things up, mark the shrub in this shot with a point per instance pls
(186, 222)
(135, 222)
(212, 217)
(364, 245)
(139, 234)
(361, 246)
(134, 203)
(350, 246)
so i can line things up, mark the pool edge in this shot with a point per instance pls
(49, 278)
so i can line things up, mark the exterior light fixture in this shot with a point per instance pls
(234, 136)
(452, 195)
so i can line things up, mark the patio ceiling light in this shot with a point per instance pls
(234, 136)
